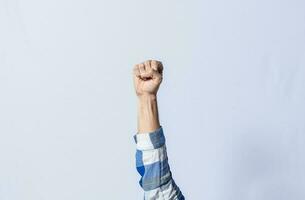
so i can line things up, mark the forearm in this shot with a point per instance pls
(151, 156)
(148, 116)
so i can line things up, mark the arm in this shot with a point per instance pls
(151, 157)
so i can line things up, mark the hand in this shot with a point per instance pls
(147, 77)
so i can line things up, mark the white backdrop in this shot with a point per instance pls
(232, 102)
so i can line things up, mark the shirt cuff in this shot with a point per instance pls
(150, 140)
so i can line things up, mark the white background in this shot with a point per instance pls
(232, 102)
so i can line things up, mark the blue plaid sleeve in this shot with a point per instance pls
(152, 164)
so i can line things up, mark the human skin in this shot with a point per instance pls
(147, 77)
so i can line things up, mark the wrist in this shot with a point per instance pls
(147, 97)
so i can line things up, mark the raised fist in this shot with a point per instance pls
(147, 77)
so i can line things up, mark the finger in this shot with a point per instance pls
(136, 75)
(157, 66)
(160, 67)
(154, 65)
(147, 66)
(136, 71)
(141, 68)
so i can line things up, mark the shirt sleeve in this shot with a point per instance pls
(152, 164)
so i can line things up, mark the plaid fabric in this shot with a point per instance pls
(152, 164)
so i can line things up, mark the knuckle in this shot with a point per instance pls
(147, 62)
(154, 62)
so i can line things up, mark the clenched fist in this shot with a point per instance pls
(147, 77)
